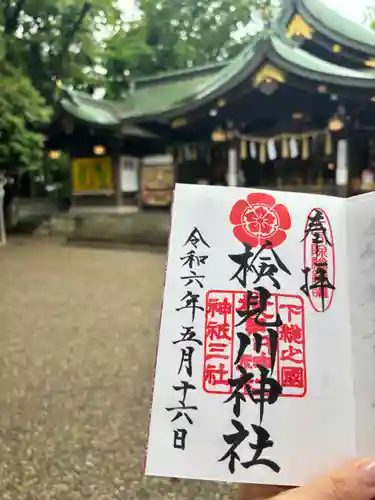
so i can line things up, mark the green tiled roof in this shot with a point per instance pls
(231, 72)
(339, 24)
(299, 58)
(192, 89)
(159, 98)
(86, 108)
(179, 74)
(289, 57)
(150, 98)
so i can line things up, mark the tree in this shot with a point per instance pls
(177, 34)
(22, 112)
(42, 41)
(369, 16)
(49, 39)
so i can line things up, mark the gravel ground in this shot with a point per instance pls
(78, 329)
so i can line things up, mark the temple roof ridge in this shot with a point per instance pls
(336, 22)
(166, 76)
(166, 96)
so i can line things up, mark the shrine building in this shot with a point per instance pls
(295, 110)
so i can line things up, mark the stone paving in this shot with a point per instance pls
(78, 329)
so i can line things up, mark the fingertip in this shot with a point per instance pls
(260, 491)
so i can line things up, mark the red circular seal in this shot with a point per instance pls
(259, 219)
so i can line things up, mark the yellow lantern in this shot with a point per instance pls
(219, 136)
(54, 155)
(335, 124)
(99, 150)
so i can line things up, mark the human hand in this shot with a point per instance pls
(355, 481)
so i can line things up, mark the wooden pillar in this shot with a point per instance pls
(3, 238)
(118, 186)
(70, 153)
(72, 194)
(116, 172)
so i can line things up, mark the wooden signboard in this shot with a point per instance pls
(157, 181)
(92, 176)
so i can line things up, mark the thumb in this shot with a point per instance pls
(354, 481)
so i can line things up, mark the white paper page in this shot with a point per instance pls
(311, 425)
(361, 267)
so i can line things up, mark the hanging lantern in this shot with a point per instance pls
(54, 155)
(297, 115)
(335, 124)
(99, 150)
(219, 136)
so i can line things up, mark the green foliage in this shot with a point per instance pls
(22, 112)
(41, 41)
(52, 39)
(369, 16)
(177, 34)
(87, 45)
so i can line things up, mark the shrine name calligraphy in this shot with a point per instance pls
(260, 264)
(252, 375)
(257, 384)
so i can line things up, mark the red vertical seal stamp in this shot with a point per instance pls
(218, 341)
(319, 260)
(221, 342)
